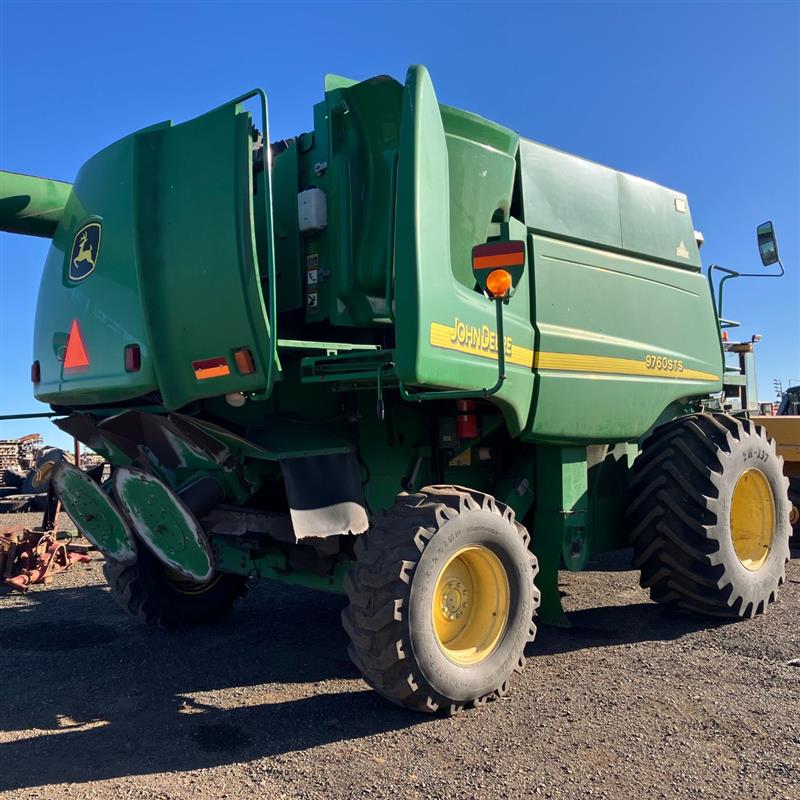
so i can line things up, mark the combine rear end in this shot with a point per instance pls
(410, 356)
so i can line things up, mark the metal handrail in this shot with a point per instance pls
(469, 394)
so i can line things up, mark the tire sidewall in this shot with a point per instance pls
(753, 452)
(487, 529)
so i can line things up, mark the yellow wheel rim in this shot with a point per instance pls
(470, 605)
(752, 519)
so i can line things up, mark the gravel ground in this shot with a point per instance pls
(629, 703)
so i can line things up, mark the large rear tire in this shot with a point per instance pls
(442, 600)
(709, 516)
(147, 591)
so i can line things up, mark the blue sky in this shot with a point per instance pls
(703, 97)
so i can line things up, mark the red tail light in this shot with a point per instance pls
(498, 254)
(133, 358)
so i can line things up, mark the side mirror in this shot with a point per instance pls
(767, 244)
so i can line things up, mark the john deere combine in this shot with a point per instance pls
(409, 356)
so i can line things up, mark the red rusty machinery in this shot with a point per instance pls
(28, 557)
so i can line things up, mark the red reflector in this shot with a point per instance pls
(467, 420)
(36, 372)
(498, 254)
(244, 361)
(75, 355)
(210, 368)
(133, 358)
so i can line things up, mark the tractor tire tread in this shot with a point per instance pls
(672, 514)
(156, 608)
(373, 617)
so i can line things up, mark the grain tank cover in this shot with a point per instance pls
(572, 198)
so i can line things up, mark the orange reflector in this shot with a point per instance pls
(244, 361)
(499, 283)
(75, 356)
(724, 336)
(210, 368)
(498, 254)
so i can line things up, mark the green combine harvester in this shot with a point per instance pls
(409, 356)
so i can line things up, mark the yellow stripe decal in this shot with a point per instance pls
(482, 341)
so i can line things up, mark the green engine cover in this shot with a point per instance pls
(174, 270)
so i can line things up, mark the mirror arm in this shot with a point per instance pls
(729, 273)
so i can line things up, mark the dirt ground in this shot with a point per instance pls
(630, 703)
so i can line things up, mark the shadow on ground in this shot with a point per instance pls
(606, 626)
(91, 695)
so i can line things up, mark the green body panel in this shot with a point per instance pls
(439, 315)
(597, 365)
(363, 126)
(201, 277)
(108, 304)
(573, 198)
(31, 206)
(179, 279)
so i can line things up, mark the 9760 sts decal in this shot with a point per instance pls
(662, 362)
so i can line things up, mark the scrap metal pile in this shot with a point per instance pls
(24, 485)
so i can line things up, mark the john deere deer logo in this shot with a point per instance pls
(85, 250)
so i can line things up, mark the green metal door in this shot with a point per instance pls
(455, 181)
(175, 272)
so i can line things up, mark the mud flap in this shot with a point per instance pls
(325, 495)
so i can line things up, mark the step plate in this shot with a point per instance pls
(164, 524)
(94, 513)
